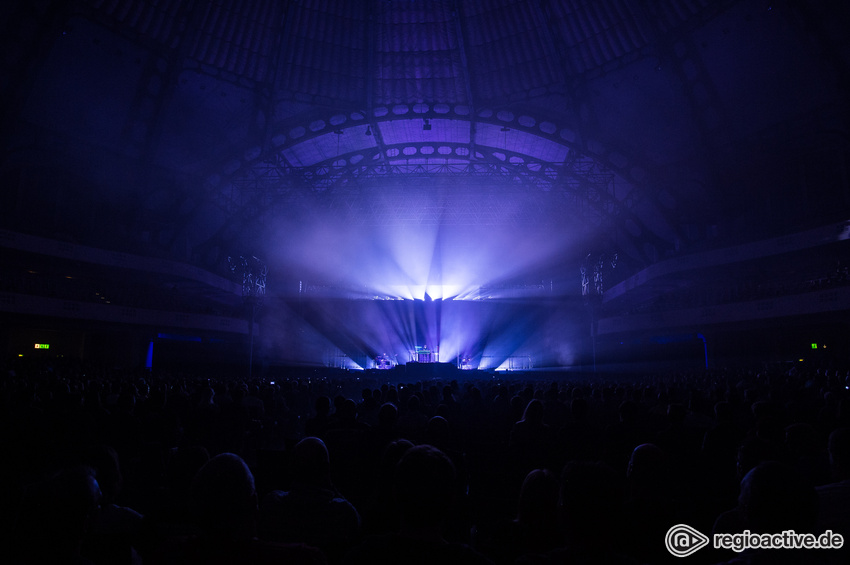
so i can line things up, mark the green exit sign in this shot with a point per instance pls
(42, 346)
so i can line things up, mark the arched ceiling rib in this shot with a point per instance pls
(331, 151)
(546, 94)
(438, 57)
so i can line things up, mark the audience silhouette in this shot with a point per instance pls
(312, 510)
(141, 467)
(55, 516)
(223, 503)
(424, 490)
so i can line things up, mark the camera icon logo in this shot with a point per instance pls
(682, 540)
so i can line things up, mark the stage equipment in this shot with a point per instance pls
(424, 355)
(592, 289)
(253, 273)
(384, 362)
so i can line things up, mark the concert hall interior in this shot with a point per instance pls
(536, 186)
(497, 282)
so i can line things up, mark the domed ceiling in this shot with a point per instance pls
(413, 141)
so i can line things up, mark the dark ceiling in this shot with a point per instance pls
(201, 129)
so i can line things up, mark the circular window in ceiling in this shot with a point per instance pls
(548, 127)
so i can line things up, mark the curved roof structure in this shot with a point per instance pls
(510, 137)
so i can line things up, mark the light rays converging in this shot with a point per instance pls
(388, 289)
(490, 334)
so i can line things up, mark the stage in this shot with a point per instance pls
(497, 334)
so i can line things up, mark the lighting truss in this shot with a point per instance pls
(480, 189)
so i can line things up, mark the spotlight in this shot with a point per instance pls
(427, 125)
(368, 130)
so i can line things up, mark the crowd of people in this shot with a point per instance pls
(106, 466)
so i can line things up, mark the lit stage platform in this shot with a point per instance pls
(510, 334)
